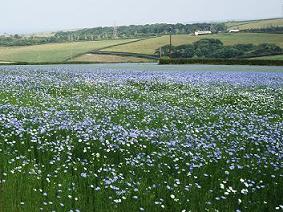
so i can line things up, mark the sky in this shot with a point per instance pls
(26, 16)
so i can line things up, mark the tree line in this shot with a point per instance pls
(27, 41)
(214, 48)
(137, 31)
(103, 33)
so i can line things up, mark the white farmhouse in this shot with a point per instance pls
(202, 33)
(234, 30)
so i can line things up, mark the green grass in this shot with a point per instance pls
(275, 57)
(99, 58)
(53, 52)
(256, 24)
(64, 51)
(150, 45)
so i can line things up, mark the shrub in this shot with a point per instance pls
(213, 48)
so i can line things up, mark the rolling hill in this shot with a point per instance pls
(255, 24)
(79, 51)
(149, 46)
(53, 52)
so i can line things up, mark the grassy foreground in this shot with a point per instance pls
(109, 140)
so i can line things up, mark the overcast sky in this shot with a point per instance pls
(21, 16)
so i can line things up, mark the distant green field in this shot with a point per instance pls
(150, 45)
(53, 52)
(256, 24)
(275, 57)
(65, 51)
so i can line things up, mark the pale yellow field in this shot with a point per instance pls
(150, 45)
(256, 24)
(4, 62)
(53, 52)
(99, 58)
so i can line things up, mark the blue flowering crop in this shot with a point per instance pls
(141, 138)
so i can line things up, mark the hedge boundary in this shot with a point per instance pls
(167, 61)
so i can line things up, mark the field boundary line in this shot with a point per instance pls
(106, 47)
(126, 54)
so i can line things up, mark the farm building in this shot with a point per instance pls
(234, 30)
(202, 33)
